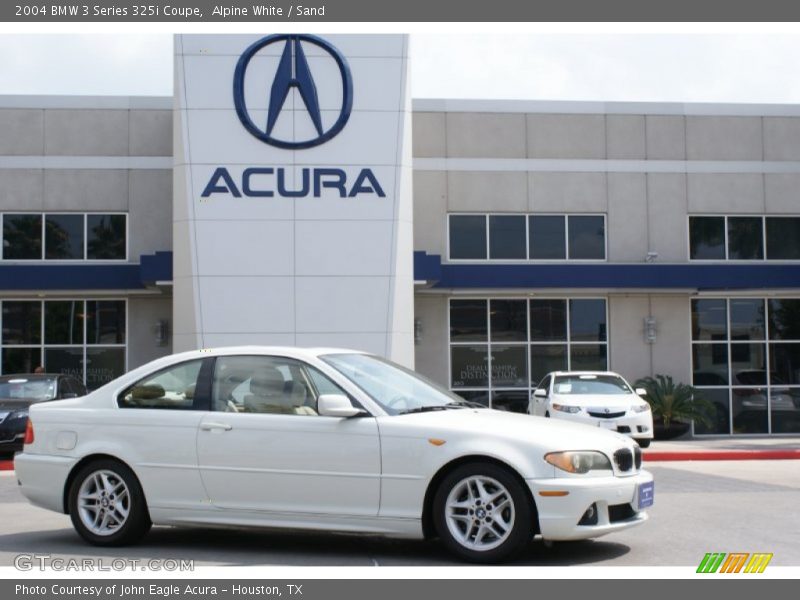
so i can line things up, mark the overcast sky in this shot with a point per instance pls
(630, 67)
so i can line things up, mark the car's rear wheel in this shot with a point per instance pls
(644, 443)
(482, 513)
(106, 504)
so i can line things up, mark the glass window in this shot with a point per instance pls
(785, 410)
(511, 400)
(587, 237)
(747, 319)
(479, 396)
(322, 384)
(547, 237)
(264, 384)
(546, 358)
(509, 319)
(106, 237)
(468, 237)
(707, 238)
(748, 359)
(22, 237)
(544, 384)
(783, 238)
(587, 320)
(709, 320)
(785, 363)
(105, 322)
(588, 357)
(469, 366)
(784, 319)
(68, 361)
(548, 320)
(710, 364)
(509, 366)
(591, 384)
(63, 322)
(63, 237)
(745, 238)
(170, 388)
(468, 321)
(719, 417)
(22, 322)
(21, 360)
(749, 409)
(103, 365)
(507, 237)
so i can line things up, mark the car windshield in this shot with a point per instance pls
(396, 389)
(590, 384)
(20, 388)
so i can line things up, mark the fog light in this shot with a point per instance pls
(590, 516)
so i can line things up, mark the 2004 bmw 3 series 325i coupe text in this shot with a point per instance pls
(322, 439)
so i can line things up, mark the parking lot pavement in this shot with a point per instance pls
(729, 506)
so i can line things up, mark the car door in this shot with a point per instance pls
(264, 447)
(539, 405)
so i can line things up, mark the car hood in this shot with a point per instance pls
(526, 429)
(599, 400)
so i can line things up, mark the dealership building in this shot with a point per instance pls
(292, 193)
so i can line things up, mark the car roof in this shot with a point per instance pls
(291, 351)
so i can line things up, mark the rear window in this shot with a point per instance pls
(590, 384)
(28, 389)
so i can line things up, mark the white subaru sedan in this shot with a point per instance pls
(599, 398)
(322, 439)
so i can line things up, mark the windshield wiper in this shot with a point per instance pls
(421, 409)
(465, 404)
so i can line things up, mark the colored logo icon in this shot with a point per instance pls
(735, 562)
(293, 73)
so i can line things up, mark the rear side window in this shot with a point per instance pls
(171, 388)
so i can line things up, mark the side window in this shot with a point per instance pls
(544, 384)
(264, 384)
(170, 388)
(78, 387)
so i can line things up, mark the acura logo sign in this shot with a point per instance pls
(293, 72)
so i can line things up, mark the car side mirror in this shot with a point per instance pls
(540, 393)
(336, 405)
(641, 391)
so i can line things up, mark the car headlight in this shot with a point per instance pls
(19, 414)
(581, 461)
(566, 408)
(641, 407)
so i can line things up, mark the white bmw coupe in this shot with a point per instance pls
(322, 439)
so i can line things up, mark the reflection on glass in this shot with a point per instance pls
(22, 237)
(707, 238)
(588, 357)
(709, 320)
(720, 419)
(784, 319)
(64, 360)
(507, 237)
(785, 410)
(20, 360)
(745, 238)
(511, 400)
(747, 319)
(63, 322)
(547, 237)
(103, 365)
(749, 407)
(509, 366)
(710, 364)
(587, 238)
(548, 320)
(546, 358)
(785, 362)
(468, 321)
(22, 322)
(509, 320)
(467, 236)
(748, 361)
(106, 237)
(479, 396)
(63, 237)
(783, 238)
(469, 366)
(587, 320)
(105, 322)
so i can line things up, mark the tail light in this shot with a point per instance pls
(28, 433)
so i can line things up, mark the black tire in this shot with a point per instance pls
(644, 443)
(137, 523)
(522, 530)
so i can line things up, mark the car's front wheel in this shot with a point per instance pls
(482, 513)
(106, 504)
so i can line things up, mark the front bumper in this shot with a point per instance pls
(559, 515)
(635, 425)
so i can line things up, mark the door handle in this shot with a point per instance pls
(215, 426)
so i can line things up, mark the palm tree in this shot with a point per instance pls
(676, 402)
